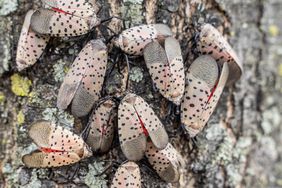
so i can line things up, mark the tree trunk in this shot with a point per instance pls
(239, 147)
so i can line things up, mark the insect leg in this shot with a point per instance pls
(128, 70)
(70, 178)
(112, 163)
(110, 18)
(105, 170)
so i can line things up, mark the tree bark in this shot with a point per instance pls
(239, 147)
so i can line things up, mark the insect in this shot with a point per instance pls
(137, 121)
(165, 162)
(211, 42)
(57, 146)
(204, 85)
(133, 40)
(65, 18)
(30, 45)
(166, 68)
(101, 124)
(83, 83)
(127, 175)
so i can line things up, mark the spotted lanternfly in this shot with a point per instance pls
(101, 124)
(83, 83)
(80, 8)
(30, 46)
(65, 18)
(57, 146)
(133, 40)
(137, 121)
(165, 162)
(204, 85)
(127, 175)
(211, 42)
(166, 68)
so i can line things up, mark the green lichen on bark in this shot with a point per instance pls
(20, 85)
(60, 70)
(252, 160)
(136, 74)
(7, 6)
(20, 117)
(5, 43)
(93, 178)
(132, 12)
(2, 97)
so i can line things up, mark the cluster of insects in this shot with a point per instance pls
(140, 131)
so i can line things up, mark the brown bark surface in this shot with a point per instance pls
(241, 144)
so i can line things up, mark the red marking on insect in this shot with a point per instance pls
(212, 92)
(59, 10)
(49, 150)
(143, 126)
(103, 130)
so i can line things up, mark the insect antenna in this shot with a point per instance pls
(104, 170)
(112, 164)
(110, 18)
(128, 69)
(194, 144)
(51, 173)
(99, 10)
(71, 177)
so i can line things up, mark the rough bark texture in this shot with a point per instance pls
(240, 146)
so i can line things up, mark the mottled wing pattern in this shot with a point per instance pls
(200, 81)
(127, 175)
(38, 159)
(158, 66)
(30, 45)
(58, 146)
(74, 77)
(89, 91)
(59, 24)
(165, 162)
(151, 122)
(213, 43)
(134, 40)
(47, 135)
(101, 124)
(176, 67)
(163, 31)
(166, 68)
(211, 104)
(81, 8)
(131, 136)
